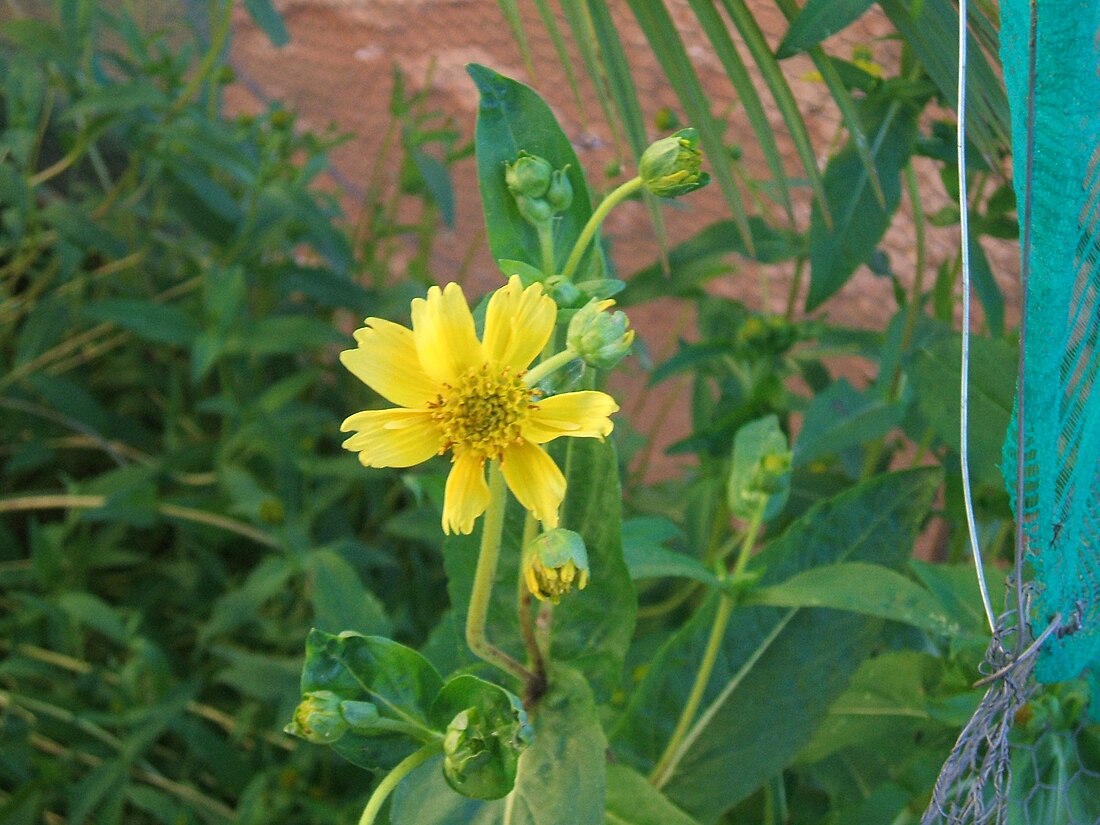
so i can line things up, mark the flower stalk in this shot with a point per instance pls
(616, 197)
(393, 779)
(478, 612)
(663, 769)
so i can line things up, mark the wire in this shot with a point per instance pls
(964, 383)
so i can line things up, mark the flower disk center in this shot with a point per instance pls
(483, 411)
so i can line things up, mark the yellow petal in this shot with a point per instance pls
(578, 414)
(392, 438)
(518, 323)
(386, 361)
(466, 495)
(535, 480)
(443, 329)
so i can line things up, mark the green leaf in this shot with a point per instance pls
(779, 669)
(870, 589)
(90, 610)
(242, 604)
(936, 373)
(290, 334)
(818, 20)
(397, 680)
(842, 417)
(267, 17)
(487, 731)
(650, 562)
(858, 219)
(340, 601)
(560, 777)
(955, 586)
(159, 323)
(632, 800)
(884, 705)
(592, 627)
(511, 117)
(987, 290)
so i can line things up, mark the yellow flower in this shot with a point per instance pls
(457, 393)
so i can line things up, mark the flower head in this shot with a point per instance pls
(456, 393)
(670, 167)
(553, 563)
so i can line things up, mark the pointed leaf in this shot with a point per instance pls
(870, 589)
(817, 20)
(779, 669)
(512, 117)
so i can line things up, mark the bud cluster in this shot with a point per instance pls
(540, 190)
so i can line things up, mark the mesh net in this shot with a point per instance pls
(1027, 755)
(1054, 89)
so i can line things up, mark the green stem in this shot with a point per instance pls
(478, 613)
(660, 773)
(796, 287)
(391, 780)
(606, 205)
(523, 606)
(551, 364)
(546, 246)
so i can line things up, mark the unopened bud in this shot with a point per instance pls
(529, 176)
(318, 718)
(670, 167)
(554, 562)
(560, 192)
(599, 337)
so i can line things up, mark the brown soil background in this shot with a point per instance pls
(338, 68)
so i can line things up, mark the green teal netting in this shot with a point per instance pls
(1060, 392)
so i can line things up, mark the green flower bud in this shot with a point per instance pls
(600, 338)
(529, 176)
(670, 166)
(480, 754)
(534, 210)
(560, 192)
(553, 562)
(318, 719)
